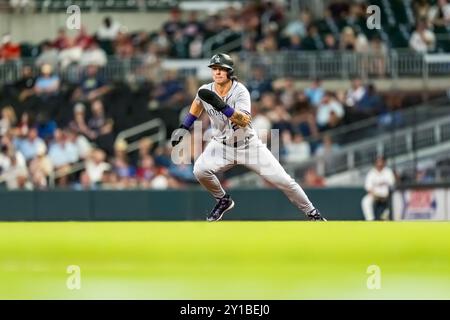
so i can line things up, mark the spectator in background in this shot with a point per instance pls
(8, 119)
(379, 51)
(144, 148)
(193, 27)
(327, 148)
(107, 34)
(96, 166)
(355, 93)
(16, 177)
(62, 40)
(41, 168)
(24, 87)
(349, 41)
(48, 55)
(99, 123)
(93, 55)
(422, 39)
(170, 91)
(330, 42)
(83, 39)
(295, 148)
(313, 179)
(48, 83)
(315, 92)
(9, 51)
(196, 47)
(261, 123)
(258, 84)
(421, 8)
(295, 43)
(180, 45)
(69, 55)
(24, 125)
(121, 164)
(85, 182)
(146, 171)
(378, 184)
(371, 102)
(62, 152)
(108, 30)
(439, 15)
(30, 145)
(78, 124)
(92, 85)
(312, 41)
(303, 116)
(7, 151)
(174, 24)
(329, 112)
(82, 144)
(101, 126)
(123, 45)
(162, 42)
(286, 92)
(297, 27)
(45, 125)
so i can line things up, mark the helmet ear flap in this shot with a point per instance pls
(230, 73)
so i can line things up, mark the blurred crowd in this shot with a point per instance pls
(49, 131)
(62, 132)
(260, 26)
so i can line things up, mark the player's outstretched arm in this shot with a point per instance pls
(238, 117)
(194, 113)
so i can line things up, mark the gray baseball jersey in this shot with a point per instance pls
(238, 98)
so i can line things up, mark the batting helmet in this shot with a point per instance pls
(222, 60)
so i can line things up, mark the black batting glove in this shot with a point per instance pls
(212, 98)
(178, 135)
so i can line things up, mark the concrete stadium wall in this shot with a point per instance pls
(38, 27)
(173, 205)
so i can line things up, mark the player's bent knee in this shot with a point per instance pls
(200, 171)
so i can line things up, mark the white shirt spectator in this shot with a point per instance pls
(70, 55)
(422, 42)
(94, 56)
(325, 109)
(379, 183)
(83, 146)
(105, 33)
(95, 170)
(297, 152)
(5, 161)
(434, 10)
(355, 95)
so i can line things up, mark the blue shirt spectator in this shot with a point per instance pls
(61, 151)
(315, 93)
(47, 84)
(30, 145)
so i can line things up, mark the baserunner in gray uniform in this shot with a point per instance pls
(228, 105)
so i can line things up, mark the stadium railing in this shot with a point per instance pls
(345, 65)
(405, 147)
(394, 64)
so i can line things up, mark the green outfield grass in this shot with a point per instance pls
(225, 260)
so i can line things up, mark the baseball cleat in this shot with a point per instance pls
(222, 206)
(314, 215)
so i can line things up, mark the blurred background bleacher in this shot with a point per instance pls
(93, 108)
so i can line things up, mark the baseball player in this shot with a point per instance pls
(379, 181)
(234, 141)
